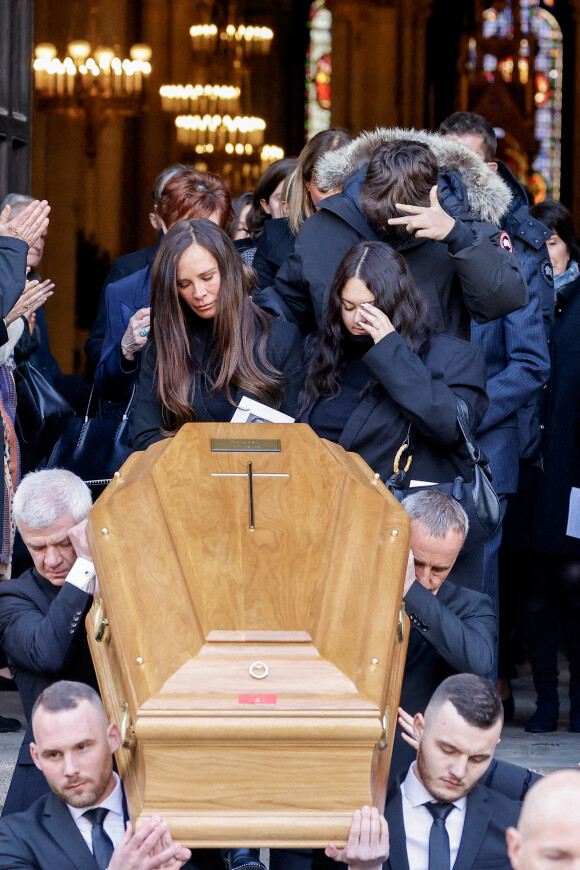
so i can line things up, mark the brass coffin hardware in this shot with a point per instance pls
(245, 445)
(401, 624)
(382, 742)
(100, 621)
(127, 730)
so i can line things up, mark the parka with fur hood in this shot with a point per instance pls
(471, 273)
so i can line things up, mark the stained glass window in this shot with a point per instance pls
(318, 69)
(535, 18)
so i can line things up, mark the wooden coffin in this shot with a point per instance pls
(251, 638)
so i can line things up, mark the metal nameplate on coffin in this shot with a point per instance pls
(245, 445)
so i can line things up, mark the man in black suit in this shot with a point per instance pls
(80, 824)
(453, 629)
(73, 746)
(547, 831)
(440, 815)
(42, 612)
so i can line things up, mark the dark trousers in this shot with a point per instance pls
(490, 581)
(550, 615)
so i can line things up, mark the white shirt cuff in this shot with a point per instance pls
(82, 575)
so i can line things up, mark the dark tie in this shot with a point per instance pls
(439, 854)
(102, 843)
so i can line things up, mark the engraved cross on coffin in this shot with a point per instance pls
(225, 445)
(256, 675)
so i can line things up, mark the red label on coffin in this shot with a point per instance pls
(257, 699)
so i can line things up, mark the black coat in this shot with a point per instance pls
(560, 416)
(452, 632)
(422, 393)
(283, 351)
(274, 245)
(42, 631)
(45, 837)
(468, 273)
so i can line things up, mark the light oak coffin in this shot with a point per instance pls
(255, 672)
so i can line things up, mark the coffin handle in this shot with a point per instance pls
(100, 621)
(127, 730)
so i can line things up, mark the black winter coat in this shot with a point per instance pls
(467, 274)
(422, 393)
(560, 416)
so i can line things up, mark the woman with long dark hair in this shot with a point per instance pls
(211, 344)
(377, 378)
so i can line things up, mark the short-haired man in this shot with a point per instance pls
(548, 832)
(452, 251)
(453, 629)
(73, 746)
(440, 815)
(42, 612)
(515, 346)
(81, 823)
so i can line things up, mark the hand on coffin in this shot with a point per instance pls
(408, 734)
(149, 848)
(410, 573)
(78, 538)
(367, 846)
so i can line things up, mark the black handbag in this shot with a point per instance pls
(41, 415)
(94, 447)
(477, 497)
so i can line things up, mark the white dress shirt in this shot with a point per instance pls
(418, 820)
(83, 576)
(114, 824)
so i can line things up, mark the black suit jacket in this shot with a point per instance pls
(42, 631)
(45, 837)
(451, 632)
(483, 844)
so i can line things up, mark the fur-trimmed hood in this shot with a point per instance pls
(489, 196)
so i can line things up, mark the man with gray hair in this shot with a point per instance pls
(42, 612)
(453, 629)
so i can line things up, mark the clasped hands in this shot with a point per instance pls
(149, 848)
(426, 222)
(28, 225)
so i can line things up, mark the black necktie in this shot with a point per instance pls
(439, 853)
(102, 843)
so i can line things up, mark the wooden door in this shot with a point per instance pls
(15, 95)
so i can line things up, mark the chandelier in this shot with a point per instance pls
(200, 99)
(243, 39)
(239, 135)
(213, 118)
(84, 71)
